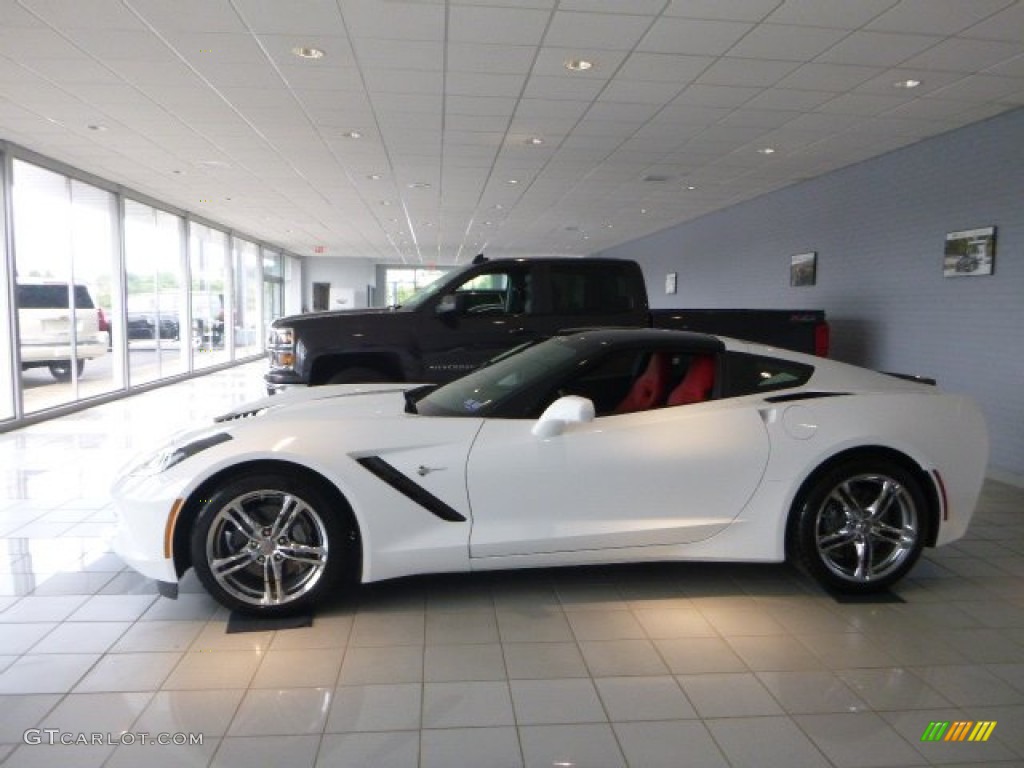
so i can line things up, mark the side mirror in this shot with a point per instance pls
(449, 304)
(565, 411)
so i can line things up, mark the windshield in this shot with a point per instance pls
(429, 290)
(483, 390)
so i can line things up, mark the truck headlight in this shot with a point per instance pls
(281, 346)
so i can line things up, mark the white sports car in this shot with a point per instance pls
(597, 447)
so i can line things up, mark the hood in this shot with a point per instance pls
(312, 317)
(344, 397)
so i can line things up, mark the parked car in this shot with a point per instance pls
(152, 316)
(597, 447)
(45, 323)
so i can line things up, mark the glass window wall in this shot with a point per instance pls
(65, 261)
(210, 297)
(247, 318)
(158, 329)
(101, 293)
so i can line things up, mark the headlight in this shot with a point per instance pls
(281, 345)
(172, 455)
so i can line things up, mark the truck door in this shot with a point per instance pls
(484, 315)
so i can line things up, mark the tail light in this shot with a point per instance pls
(101, 318)
(821, 339)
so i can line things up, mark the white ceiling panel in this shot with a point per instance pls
(600, 31)
(693, 36)
(204, 104)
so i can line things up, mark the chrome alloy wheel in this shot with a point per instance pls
(267, 547)
(866, 527)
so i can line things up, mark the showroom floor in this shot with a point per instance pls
(668, 665)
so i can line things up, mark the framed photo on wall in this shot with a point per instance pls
(969, 252)
(803, 269)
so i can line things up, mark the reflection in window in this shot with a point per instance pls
(246, 321)
(158, 344)
(208, 254)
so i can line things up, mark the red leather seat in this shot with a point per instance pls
(697, 384)
(648, 390)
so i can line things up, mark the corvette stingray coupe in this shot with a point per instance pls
(602, 446)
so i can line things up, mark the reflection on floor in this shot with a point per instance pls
(697, 665)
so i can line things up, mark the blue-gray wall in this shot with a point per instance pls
(879, 228)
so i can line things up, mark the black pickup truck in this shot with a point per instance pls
(473, 314)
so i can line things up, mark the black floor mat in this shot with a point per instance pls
(240, 622)
(875, 598)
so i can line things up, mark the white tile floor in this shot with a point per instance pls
(673, 665)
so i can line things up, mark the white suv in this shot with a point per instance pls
(44, 322)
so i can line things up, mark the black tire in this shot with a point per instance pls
(280, 542)
(61, 370)
(358, 375)
(860, 526)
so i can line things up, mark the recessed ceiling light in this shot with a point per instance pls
(908, 84)
(767, 150)
(513, 181)
(499, 207)
(643, 210)
(419, 185)
(691, 187)
(578, 65)
(304, 52)
(374, 177)
(535, 141)
(608, 226)
(352, 135)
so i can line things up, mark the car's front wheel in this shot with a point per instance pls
(861, 526)
(270, 545)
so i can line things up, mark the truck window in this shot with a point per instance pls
(500, 292)
(582, 289)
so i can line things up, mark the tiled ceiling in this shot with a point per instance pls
(410, 139)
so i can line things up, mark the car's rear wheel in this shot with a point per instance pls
(270, 545)
(861, 526)
(61, 370)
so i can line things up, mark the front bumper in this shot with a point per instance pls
(278, 380)
(145, 509)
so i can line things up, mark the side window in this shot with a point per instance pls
(753, 374)
(491, 293)
(577, 289)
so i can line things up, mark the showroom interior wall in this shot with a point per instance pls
(878, 229)
(348, 278)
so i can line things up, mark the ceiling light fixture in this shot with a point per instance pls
(578, 65)
(691, 187)
(305, 52)
(352, 135)
(419, 185)
(766, 150)
(907, 84)
(374, 177)
(513, 181)
(535, 141)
